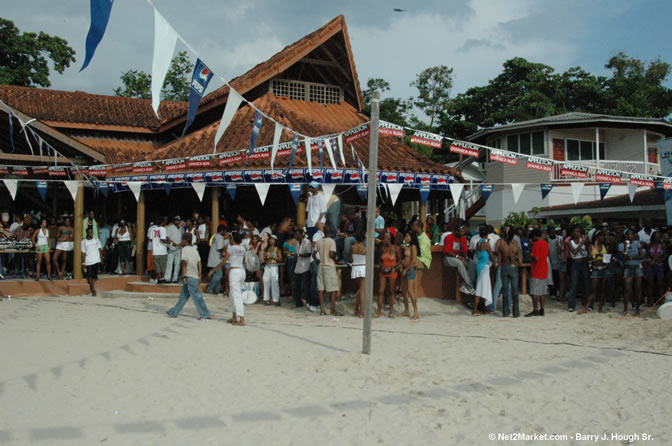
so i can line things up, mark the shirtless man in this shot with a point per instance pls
(509, 256)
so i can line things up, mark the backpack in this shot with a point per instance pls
(252, 262)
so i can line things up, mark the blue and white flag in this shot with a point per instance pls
(295, 147)
(295, 190)
(362, 191)
(100, 15)
(545, 190)
(660, 192)
(486, 190)
(231, 189)
(604, 189)
(199, 83)
(320, 146)
(424, 192)
(256, 129)
(42, 188)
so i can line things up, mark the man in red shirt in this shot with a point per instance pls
(538, 273)
(455, 256)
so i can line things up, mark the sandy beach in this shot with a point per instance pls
(118, 371)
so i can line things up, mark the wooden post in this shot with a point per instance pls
(301, 214)
(214, 215)
(141, 233)
(423, 213)
(371, 224)
(78, 219)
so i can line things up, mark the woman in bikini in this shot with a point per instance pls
(358, 261)
(389, 262)
(41, 242)
(484, 258)
(64, 247)
(410, 250)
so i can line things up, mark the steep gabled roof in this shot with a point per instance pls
(83, 110)
(310, 118)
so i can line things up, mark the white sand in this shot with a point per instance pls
(82, 370)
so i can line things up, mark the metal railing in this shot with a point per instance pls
(621, 166)
(468, 199)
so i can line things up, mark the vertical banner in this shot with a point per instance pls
(231, 189)
(72, 187)
(320, 147)
(545, 190)
(394, 190)
(295, 190)
(660, 192)
(486, 190)
(165, 39)
(295, 148)
(232, 104)
(456, 192)
(576, 191)
(256, 129)
(517, 189)
(604, 190)
(362, 191)
(199, 83)
(11, 186)
(665, 154)
(42, 188)
(200, 190)
(309, 154)
(100, 15)
(276, 142)
(262, 190)
(424, 193)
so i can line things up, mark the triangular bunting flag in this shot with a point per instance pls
(424, 193)
(340, 149)
(632, 190)
(42, 188)
(262, 190)
(100, 15)
(276, 142)
(232, 104)
(328, 189)
(231, 189)
(604, 189)
(295, 190)
(200, 189)
(576, 191)
(165, 39)
(256, 130)
(295, 148)
(72, 186)
(135, 187)
(456, 191)
(167, 187)
(320, 147)
(104, 189)
(517, 189)
(362, 191)
(394, 190)
(309, 154)
(11, 186)
(545, 190)
(330, 152)
(486, 190)
(660, 192)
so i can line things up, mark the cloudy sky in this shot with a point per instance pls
(473, 36)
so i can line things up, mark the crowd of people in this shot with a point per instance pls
(592, 267)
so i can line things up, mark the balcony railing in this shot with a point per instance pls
(621, 166)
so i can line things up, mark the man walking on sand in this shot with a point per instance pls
(91, 256)
(191, 279)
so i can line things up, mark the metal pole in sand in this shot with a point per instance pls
(371, 222)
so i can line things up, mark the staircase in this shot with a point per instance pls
(471, 202)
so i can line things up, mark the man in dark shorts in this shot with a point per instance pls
(91, 257)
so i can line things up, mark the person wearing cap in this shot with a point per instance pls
(173, 259)
(316, 208)
(271, 277)
(191, 280)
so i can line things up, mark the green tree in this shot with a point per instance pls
(393, 110)
(24, 57)
(434, 85)
(137, 83)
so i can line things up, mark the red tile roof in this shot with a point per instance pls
(117, 151)
(308, 118)
(77, 107)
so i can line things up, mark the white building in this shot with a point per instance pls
(627, 144)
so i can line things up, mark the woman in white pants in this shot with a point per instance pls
(234, 258)
(271, 279)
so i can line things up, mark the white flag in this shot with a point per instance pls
(200, 189)
(309, 154)
(576, 191)
(262, 190)
(340, 149)
(330, 152)
(456, 192)
(394, 190)
(72, 187)
(517, 189)
(328, 189)
(165, 39)
(232, 104)
(11, 187)
(135, 187)
(276, 142)
(632, 190)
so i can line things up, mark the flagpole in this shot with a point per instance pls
(371, 223)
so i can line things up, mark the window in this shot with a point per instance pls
(527, 143)
(495, 143)
(307, 91)
(583, 150)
